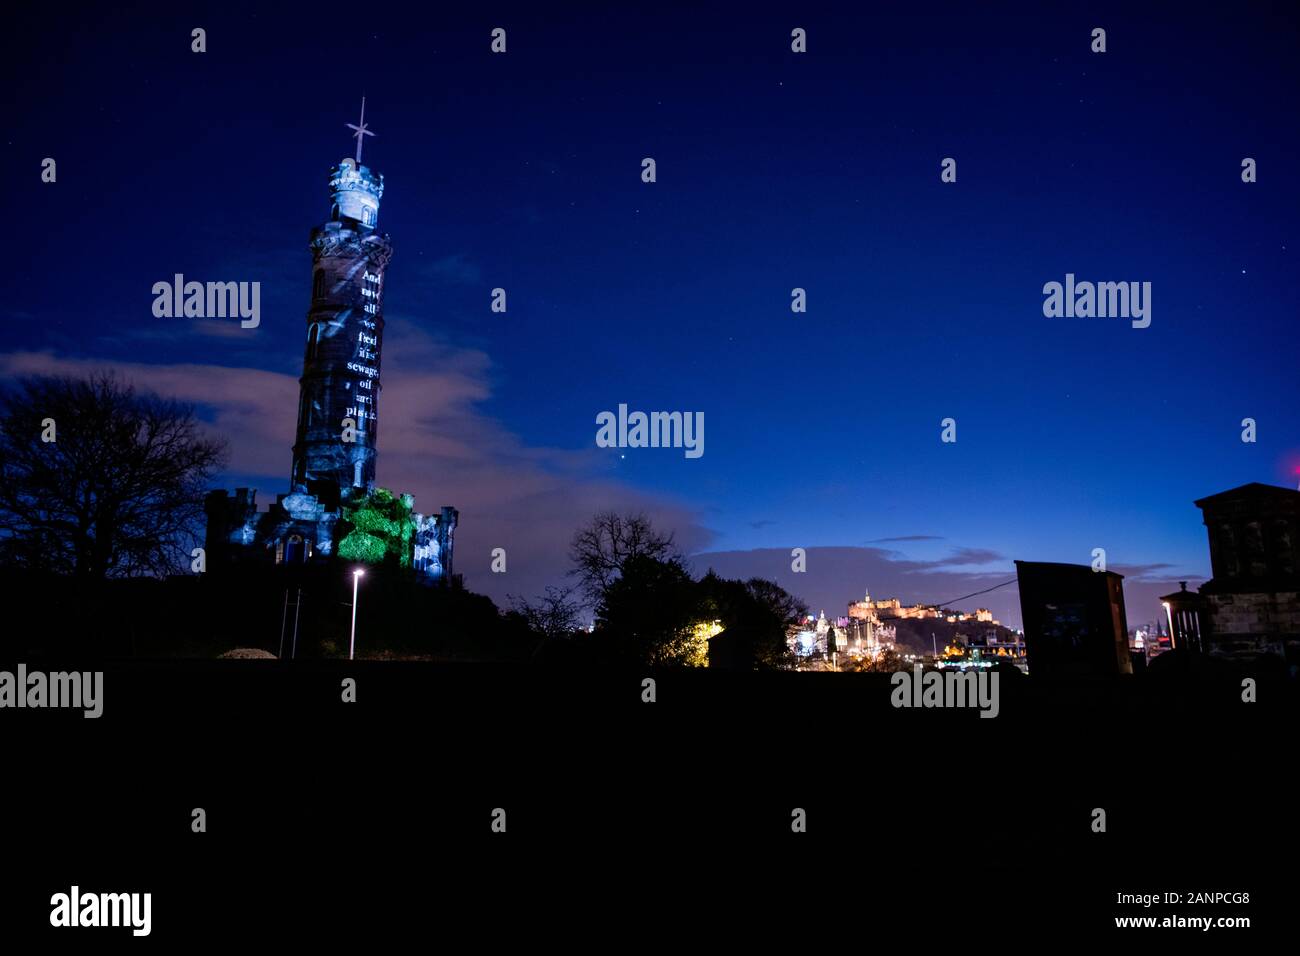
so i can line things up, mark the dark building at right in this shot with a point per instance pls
(1075, 623)
(1074, 617)
(1251, 604)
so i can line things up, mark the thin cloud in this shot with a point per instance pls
(435, 442)
(965, 556)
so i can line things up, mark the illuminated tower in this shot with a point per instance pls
(338, 405)
(333, 510)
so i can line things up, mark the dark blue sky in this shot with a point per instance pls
(775, 170)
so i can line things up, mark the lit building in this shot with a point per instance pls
(981, 615)
(867, 608)
(864, 633)
(891, 608)
(1252, 602)
(1184, 612)
(992, 643)
(333, 507)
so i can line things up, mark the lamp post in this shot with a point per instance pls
(356, 580)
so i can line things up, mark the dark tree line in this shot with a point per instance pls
(99, 481)
(647, 608)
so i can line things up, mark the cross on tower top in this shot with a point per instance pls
(361, 130)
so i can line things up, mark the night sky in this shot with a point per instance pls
(775, 170)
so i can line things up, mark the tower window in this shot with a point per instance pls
(313, 339)
(369, 216)
(334, 213)
(318, 285)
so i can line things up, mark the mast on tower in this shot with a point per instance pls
(361, 130)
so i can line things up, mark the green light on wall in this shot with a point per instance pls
(376, 526)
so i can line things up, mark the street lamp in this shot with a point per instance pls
(356, 579)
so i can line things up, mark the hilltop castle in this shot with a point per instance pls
(333, 507)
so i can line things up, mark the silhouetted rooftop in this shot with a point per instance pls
(1254, 489)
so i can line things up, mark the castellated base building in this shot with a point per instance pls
(1251, 605)
(333, 509)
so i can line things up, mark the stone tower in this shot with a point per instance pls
(345, 331)
(333, 509)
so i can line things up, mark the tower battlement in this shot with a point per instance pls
(355, 191)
